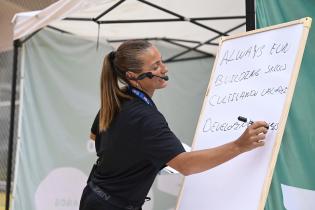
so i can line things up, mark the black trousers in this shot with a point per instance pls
(91, 201)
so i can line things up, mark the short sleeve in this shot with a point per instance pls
(94, 128)
(159, 143)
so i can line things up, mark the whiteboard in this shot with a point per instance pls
(254, 76)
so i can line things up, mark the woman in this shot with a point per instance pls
(132, 138)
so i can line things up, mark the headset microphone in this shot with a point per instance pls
(150, 75)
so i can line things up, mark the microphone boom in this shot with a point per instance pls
(150, 76)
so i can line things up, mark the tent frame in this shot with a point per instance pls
(250, 25)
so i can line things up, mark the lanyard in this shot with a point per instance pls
(141, 95)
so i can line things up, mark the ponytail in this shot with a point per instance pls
(115, 66)
(111, 94)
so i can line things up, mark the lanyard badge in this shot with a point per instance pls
(141, 95)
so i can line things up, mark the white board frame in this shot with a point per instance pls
(276, 147)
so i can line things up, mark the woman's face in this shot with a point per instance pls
(153, 63)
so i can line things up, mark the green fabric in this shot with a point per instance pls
(295, 165)
(59, 105)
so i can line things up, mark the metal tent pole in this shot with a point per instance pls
(203, 43)
(250, 15)
(16, 45)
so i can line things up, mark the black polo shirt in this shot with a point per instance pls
(135, 147)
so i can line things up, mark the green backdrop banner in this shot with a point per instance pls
(293, 183)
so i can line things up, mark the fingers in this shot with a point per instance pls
(254, 136)
(258, 138)
(259, 143)
(260, 130)
(258, 124)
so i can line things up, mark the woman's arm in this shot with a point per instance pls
(189, 163)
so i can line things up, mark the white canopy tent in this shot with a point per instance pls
(192, 27)
(197, 24)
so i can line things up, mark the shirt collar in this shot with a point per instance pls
(141, 95)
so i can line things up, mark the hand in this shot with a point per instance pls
(252, 137)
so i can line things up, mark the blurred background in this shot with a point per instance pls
(7, 10)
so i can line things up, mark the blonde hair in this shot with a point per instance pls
(115, 66)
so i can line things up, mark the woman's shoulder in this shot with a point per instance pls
(137, 106)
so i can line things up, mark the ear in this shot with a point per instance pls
(131, 75)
